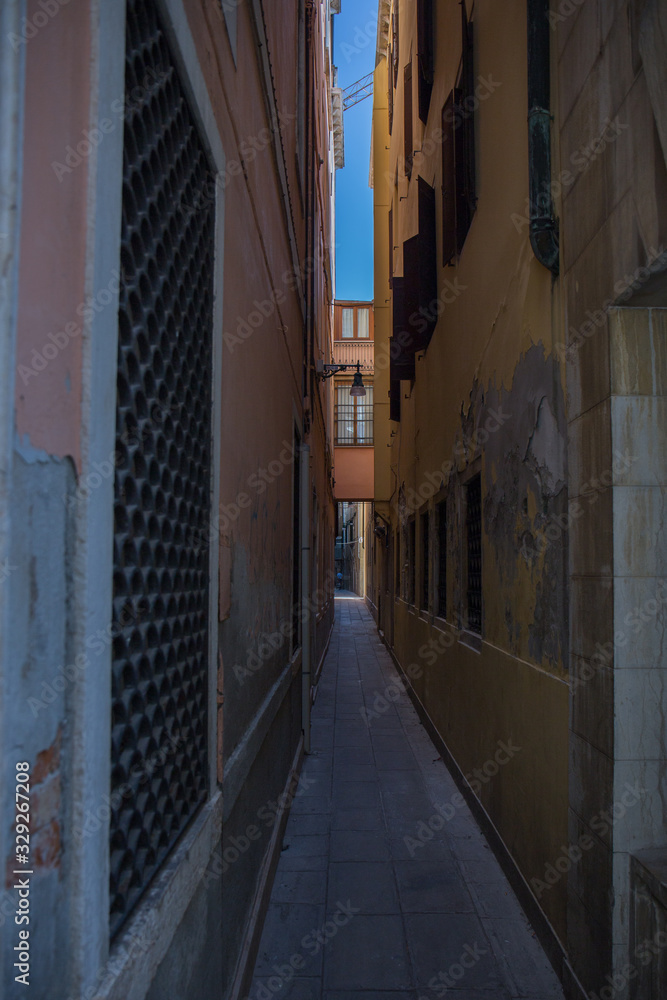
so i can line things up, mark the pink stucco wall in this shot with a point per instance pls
(53, 231)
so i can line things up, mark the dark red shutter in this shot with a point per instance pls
(407, 119)
(448, 182)
(394, 41)
(424, 56)
(390, 92)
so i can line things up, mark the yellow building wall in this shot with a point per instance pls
(488, 395)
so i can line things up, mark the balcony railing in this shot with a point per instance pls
(348, 352)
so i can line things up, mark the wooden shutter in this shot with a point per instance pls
(424, 56)
(448, 182)
(390, 91)
(407, 119)
(394, 40)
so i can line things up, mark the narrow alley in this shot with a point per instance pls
(386, 888)
(333, 494)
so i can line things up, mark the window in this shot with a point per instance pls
(407, 119)
(363, 324)
(296, 540)
(394, 40)
(425, 540)
(459, 198)
(397, 563)
(354, 415)
(474, 547)
(390, 89)
(442, 559)
(424, 56)
(347, 323)
(160, 670)
(411, 561)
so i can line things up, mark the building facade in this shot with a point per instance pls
(519, 295)
(167, 528)
(353, 415)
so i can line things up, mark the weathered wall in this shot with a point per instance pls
(56, 650)
(488, 396)
(614, 226)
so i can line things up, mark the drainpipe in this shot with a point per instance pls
(305, 595)
(543, 225)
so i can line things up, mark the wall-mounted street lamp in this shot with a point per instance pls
(327, 371)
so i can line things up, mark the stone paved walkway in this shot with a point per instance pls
(356, 910)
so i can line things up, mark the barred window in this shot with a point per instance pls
(474, 546)
(159, 730)
(411, 561)
(354, 416)
(442, 559)
(425, 540)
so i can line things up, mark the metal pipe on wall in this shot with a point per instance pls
(543, 225)
(306, 651)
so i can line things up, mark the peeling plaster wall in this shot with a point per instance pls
(36, 708)
(488, 397)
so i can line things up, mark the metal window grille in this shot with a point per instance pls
(354, 416)
(411, 561)
(163, 474)
(442, 559)
(425, 537)
(474, 540)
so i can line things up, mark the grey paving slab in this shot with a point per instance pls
(370, 953)
(354, 772)
(382, 832)
(432, 887)
(300, 887)
(286, 928)
(454, 945)
(277, 988)
(358, 845)
(359, 819)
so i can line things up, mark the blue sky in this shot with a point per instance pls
(354, 54)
